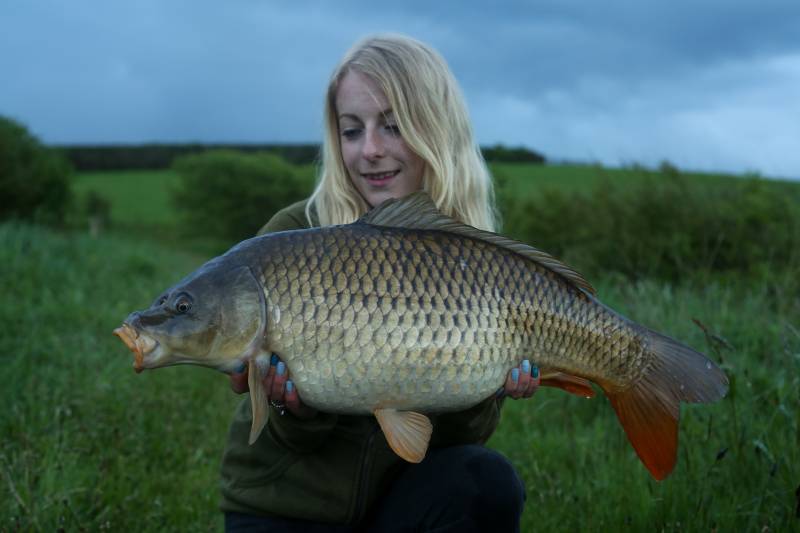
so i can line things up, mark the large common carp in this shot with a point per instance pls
(407, 312)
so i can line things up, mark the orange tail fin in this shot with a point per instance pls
(650, 409)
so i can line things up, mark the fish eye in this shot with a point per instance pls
(183, 303)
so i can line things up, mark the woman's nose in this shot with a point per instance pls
(373, 145)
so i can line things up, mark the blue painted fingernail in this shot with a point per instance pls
(500, 392)
(535, 372)
(273, 360)
(526, 366)
(281, 368)
(515, 375)
(289, 386)
(239, 369)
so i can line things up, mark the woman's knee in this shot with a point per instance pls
(497, 482)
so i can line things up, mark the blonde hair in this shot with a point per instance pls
(433, 121)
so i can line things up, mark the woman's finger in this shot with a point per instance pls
(524, 378)
(512, 383)
(294, 404)
(521, 381)
(270, 376)
(239, 381)
(534, 382)
(278, 382)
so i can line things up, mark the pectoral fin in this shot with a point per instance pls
(258, 398)
(572, 384)
(408, 433)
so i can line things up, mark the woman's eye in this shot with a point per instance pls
(350, 133)
(394, 129)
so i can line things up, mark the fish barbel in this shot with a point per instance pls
(407, 312)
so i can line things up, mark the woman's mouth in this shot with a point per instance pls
(379, 178)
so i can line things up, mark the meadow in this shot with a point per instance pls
(89, 445)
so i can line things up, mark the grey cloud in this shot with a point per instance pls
(700, 83)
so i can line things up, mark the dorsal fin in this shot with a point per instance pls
(417, 211)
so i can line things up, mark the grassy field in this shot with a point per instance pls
(135, 196)
(140, 200)
(526, 179)
(143, 196)
(87, 444)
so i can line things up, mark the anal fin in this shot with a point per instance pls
(258, 398)
(408, 433)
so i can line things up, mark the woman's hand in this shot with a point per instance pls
(521, 382)
(280, 389)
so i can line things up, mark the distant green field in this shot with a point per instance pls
(525, 179)
(136, 196)
(141, 205)
(89, 445)
(142, 198)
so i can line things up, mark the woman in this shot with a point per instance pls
(395, 123)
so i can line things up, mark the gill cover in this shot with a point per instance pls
(241, 317)
(215, 317)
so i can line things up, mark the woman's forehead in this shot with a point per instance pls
(358, 94)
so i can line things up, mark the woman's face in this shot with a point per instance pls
(378, 161)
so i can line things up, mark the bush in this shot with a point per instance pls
(502, 154)
(34, 181)
(665, 226)
(227, 196)
(98, 212)
(160, 156)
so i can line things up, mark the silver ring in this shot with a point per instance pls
(280, 406)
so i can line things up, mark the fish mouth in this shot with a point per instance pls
(140, 345)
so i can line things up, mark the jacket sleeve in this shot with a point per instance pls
(300, 436)
(471, 426)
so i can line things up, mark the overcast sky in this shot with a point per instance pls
(705, 84)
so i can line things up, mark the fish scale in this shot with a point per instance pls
(476, 296)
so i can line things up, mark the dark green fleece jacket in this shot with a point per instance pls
(331, 468)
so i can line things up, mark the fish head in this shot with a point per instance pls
(215, 317)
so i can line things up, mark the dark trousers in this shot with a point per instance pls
(459, 489)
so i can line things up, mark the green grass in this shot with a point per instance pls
(140, 199)
(739, 460)
(89, 444)
(136, 197)
(86, 442)
(524, 179)
(142, 207)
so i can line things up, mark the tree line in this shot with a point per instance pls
(161, 156)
